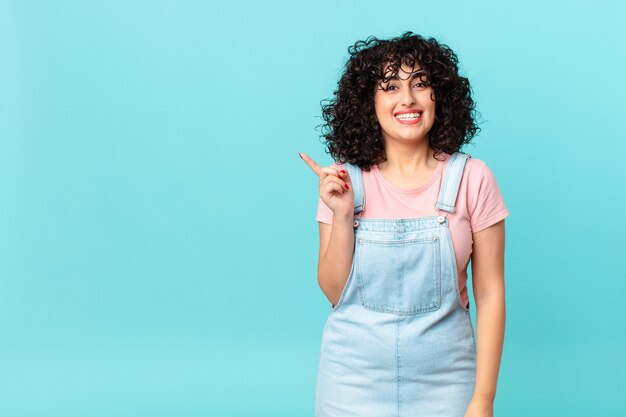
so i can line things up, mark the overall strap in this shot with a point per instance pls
(357, 184)
(451, 181)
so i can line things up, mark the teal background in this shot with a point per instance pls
(158, 247)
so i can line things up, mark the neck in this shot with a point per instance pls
(408, 158)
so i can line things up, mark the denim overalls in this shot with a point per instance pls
(399, 343)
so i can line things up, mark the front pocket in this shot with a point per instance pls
(399, 276)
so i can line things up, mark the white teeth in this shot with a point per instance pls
(408, 116)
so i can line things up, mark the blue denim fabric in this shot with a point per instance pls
(399, 343)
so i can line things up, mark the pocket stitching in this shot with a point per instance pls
(436, 275)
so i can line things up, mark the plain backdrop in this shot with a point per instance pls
(158, 242)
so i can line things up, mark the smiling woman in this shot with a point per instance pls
(382, 71)
(414, 95)
(401, 212)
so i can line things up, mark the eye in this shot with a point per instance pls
(386, 87)
(419, 86)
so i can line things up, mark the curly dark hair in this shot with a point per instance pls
(351, 128)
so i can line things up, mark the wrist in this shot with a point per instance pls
(482, 398)
(343, 217)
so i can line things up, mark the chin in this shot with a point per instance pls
(413, 138)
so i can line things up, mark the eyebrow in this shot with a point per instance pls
(417, 74)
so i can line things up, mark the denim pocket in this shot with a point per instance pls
(399, 276)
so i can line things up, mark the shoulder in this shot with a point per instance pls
(473, 171)
(476, 169)
(478, 179)
(474, 163)
(480, 184)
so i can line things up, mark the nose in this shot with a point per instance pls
(408, 96)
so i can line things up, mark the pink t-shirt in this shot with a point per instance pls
(479, 205)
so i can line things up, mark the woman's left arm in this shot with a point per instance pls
(488, 285)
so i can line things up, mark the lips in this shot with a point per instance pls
(402, 118)
(408, 111)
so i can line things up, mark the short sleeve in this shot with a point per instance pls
(325, 214)
(485, 203)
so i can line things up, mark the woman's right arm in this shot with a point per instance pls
(336, 240)
(335, 257)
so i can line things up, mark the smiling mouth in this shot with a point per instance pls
(409, 118)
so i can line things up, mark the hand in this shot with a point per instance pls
(479, 408)
(333, 191)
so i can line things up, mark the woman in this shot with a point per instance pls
(400, 213)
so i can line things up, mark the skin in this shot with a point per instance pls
(409, 156)
(409, 164)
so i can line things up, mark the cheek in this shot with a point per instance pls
(431, 105)
(381, 110)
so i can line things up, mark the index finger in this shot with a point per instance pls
(311, 163)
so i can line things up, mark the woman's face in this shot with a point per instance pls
(404, 108)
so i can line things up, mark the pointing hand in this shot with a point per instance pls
(335, 187)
